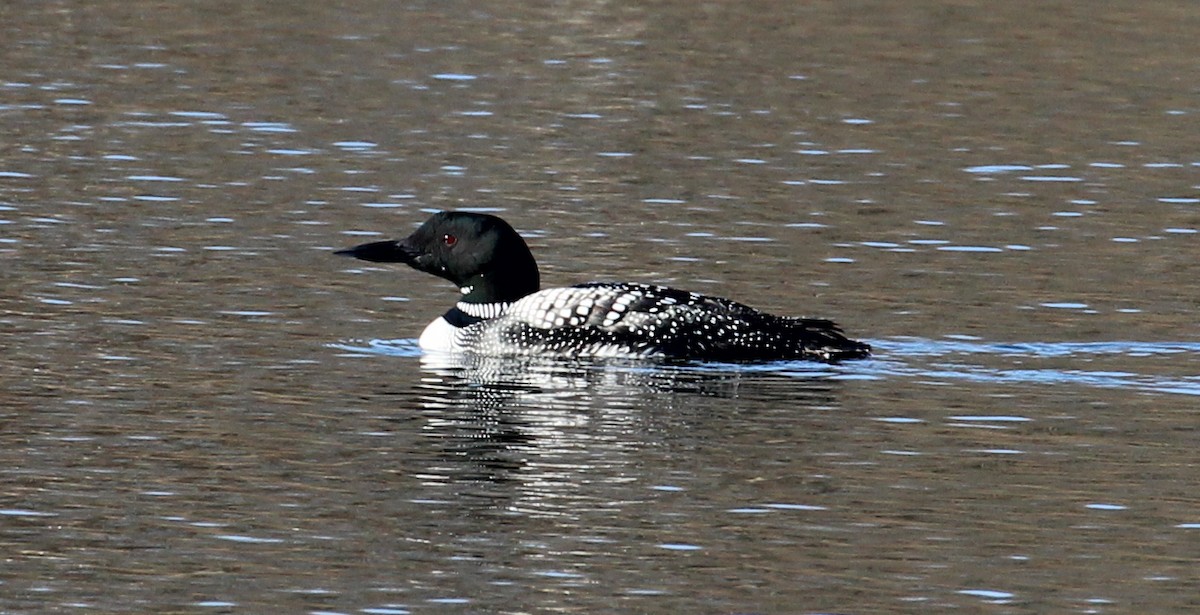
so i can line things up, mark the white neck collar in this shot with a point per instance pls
(482, 310)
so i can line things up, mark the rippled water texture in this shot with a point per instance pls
(205, 411)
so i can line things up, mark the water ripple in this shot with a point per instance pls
(909, 358)
(894, 352)
(928, 347)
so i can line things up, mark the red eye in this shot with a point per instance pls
(449, 240)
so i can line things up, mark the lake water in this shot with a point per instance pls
(205, 411)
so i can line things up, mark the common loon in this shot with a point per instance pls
(504, 312)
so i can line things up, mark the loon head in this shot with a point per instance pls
(479, 253)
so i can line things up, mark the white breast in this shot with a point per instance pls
(440, 336)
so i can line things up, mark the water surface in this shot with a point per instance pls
(205, 411)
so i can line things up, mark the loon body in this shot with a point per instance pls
(503, 311)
